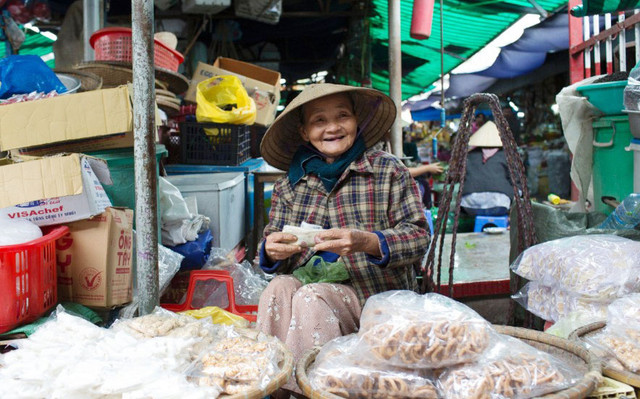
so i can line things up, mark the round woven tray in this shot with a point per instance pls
(88, 81)
(286, 368)
(117, 73)
(574, 354)
(607, 368)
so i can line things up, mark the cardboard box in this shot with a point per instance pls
(262, 84)
(94, 260)
(70, 118)
(54, 190)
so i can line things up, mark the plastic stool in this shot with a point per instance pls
(498, 221)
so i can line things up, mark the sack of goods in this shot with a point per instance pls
(620, 339)
(430, 346)
(580, 273)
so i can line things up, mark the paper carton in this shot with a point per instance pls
(97, 119)
(262, 84)
(54, 190)
(94, 260)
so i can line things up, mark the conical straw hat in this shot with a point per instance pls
(374, 111)
(486, 136)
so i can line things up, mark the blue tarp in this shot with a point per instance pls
(525, 55)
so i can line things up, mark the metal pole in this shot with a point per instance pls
(596, 47)
(622, 47)
(587, 52)
(608, 44)
(92, 17)
(636, 31)
(395, 74)
(144, 153)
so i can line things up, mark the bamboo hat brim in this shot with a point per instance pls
(486, 136)
(116, 73)
(374, 111)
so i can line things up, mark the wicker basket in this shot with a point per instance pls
(569, 351)
(608, 369)
(88, 81)
(286, 368)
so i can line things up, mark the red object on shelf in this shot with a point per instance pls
(28, 279)
(249, 312)
(477, 288)
(114, 44)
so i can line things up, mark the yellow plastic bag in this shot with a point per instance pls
(218, 316)
(223, 99)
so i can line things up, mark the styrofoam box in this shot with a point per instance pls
(221, 197)
(204, 6)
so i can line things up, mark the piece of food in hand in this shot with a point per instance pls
(306, 236)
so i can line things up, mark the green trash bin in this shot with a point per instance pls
(121, 165)
(612, 163)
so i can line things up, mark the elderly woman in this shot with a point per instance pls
(364, 200)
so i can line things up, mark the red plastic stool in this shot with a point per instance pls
(249, 312)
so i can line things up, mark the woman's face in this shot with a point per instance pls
(330, 125)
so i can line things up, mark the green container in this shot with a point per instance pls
(612, 164)
(121, 165)
(608, 97)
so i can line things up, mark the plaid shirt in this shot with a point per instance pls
(375, 193)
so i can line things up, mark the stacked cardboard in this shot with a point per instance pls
(48, 181)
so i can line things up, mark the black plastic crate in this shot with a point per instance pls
(225, 145)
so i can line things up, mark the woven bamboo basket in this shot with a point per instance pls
(608, 369)
(286, 368)
(574, 354)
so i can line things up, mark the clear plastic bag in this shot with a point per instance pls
(551, 303)
(68, 357)
(403, 328)
(163, 323)
(621, 337)
(509, 369)
(632, 90)
(596, 266)
(341, 369)
(237, 364)
(248, 281)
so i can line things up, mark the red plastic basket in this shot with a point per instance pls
(28, 279)
(249, 312)
(114, 44)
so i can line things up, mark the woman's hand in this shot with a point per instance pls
(435, 168)
(347, 241)
(420, 170)
(279, 246)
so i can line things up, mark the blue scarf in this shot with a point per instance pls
(308, 160)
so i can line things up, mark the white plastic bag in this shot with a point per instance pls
(341, 368)
(405, 329)
(596, 266)
(552, 303)
(508, 369)
(18, 231)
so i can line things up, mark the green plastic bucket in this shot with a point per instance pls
(612, 164)
(121, 166)
(608, 97)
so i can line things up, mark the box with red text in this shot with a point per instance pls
(94, 260)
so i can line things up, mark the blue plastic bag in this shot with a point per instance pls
(195, 252)
(22, 74)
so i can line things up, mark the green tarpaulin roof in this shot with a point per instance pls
(468, 27)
